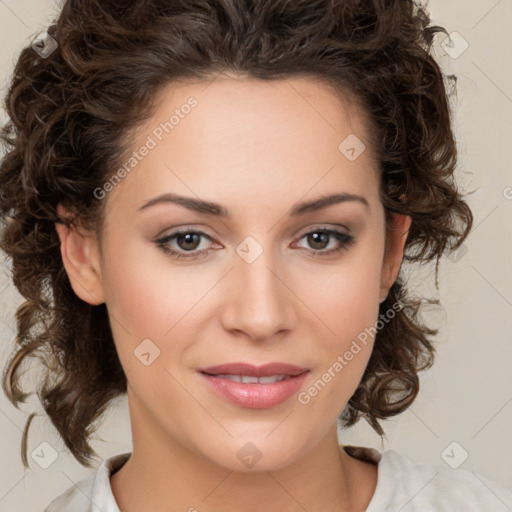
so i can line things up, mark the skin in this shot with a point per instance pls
(257, 148)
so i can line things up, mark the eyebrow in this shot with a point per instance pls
(209, 208)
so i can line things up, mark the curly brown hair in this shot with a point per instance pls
(70, 114)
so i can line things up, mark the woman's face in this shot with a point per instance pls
(266, 274)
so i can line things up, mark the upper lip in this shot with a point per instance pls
(248, 369)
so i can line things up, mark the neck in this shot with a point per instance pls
(162, 474)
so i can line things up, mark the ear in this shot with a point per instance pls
(397, 235)
(81, 259)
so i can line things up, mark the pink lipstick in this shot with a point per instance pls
(256, 387)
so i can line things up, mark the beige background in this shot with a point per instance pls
(467, 397)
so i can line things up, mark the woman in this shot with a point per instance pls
(207, 204)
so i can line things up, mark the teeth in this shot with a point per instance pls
(272, 378)
(250, 379)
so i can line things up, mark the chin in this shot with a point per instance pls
(253, 457)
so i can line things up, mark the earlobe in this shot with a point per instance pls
(80, 257)
(394, 254)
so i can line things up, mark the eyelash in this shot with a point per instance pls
(345, 239)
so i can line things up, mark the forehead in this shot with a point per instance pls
(243, 137)
(263, 106)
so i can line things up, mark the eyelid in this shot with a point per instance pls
(325, 226)
(298, 233)
(344, 239)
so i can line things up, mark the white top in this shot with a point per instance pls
(402, 486)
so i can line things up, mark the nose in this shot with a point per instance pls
(258, 301)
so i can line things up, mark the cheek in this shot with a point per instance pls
(148, 299)
(345, 297)
(142, 290)
(346, 345)
(140, 302)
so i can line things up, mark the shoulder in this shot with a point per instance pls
(91, 494)
(436, 487)
(414, 487)
(77, 498)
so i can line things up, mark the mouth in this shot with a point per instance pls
(255, 387)
(247, 370)
(250, 379)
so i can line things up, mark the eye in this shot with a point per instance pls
(188, 241)
(320, 238)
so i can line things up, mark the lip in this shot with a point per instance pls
(255, 396)
(240, 368)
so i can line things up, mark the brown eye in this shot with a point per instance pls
(319, 239)
(186, 241)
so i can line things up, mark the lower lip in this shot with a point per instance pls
(256, 396)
